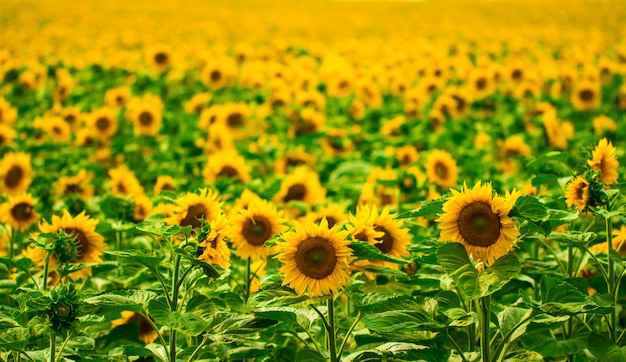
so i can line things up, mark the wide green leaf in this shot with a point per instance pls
(149, 258)
(604, 349)
(367, 251)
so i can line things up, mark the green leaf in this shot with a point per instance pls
(14, 338)
(187, 323)
(401, 321)
(149, 258)
(367, 251)
(428, 209)
(307, 355)
(565, 298)
(474, 284)
(529, 207)
(132, 300)
(510, 317)
(130, 350)
(278, 314)
(604, 349)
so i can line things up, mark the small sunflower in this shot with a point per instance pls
(228, 164)
(218, 74)
(619, 242)
(143, 207)
(117, 97)
(604, 159)
(164, 183)
(204, 205)
(441, 169)
(586, 96)
(333, 213)
(103, 123)
(75, 185)
(603, 124)
(55, 127)
(19, 212)
(214, 248)
(253, 226)
(406, 155)
(88, 242)
(198, 102)
(245, 199)
(480, 221)
(293, 158)
(147, 333)
(234, 116)
(16, 173)
(577, 193)
(146, 118)
(8, 114)
(123, 182)
(315, 258)
(301, 185)
(7, 134)
(159, 57)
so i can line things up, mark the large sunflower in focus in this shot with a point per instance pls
(205, 205)
(253, 226)
(16, 173)
(315, 258)
(441, 169)
(89, 243)
(480, 221)
(604, 159)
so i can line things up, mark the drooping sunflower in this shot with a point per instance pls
(89, 243)
(203, 205)
(103, 123)
(604, 159)
(19, 212)
(16, 173)
(301, 185)
(480, 221)
(214, 248)
(441, 168)
(147, 333)
(252, 227)
(315, 258)
(227, 163)
(123, 182)
(164, 183)
(75, 185)
(577, 193)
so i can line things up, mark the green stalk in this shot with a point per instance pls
(331, 330)
(485, 312)
(52, 347)
(45, 271)
(174, 306)
(611, 279)
(345, 339)
(248, 279)
(60, 354)
(195, 352)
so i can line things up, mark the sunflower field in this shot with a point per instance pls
(312, 180)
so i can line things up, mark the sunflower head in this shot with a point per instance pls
(441, 169)
(15, 173)
(577, 194)
(480, 221)
(253, 226)
(19, 212)
(203, 205)
(604, 159)
(315, 258)
(212, 247)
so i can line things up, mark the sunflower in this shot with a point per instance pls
(586, 96)
(198, 102)
(356, 110)
(8, 114)
(218, 74)
(333, 213)
(208, 116)
(214, 248)
(604, 159)
(164, 183)
(147, 333)
(481, 83)
(159, 57)
(253, 226)
(577, 193)
(393, 127)
(117, 97)
(311, 98)
(603, 124)
(558, 132)
(19, 212)
(123, 182)
(146, 118)
(228, 164)
(441, 169)
(76, 185)
(88, 242)
(103, 123)
(406, 155)
(7, 134)
(480, 221)
(482, 139)
(16, 173)
(340, 86)
(205, 205)
(142, 208)
(392, 238)
(361, 225)
(619, 242)
(234, 116)
(5, 239)
(307, 121)
(293, 158)
(369, 93)
(57, 129)
(315, 258)
(301, 185)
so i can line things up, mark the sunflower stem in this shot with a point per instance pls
(174, 306)
(52, 347)
(331, 330)
(60, 354)
(611, 278)
(485, 312)
(45, 271)
(345, 339)
(195, 351)
(248, 278)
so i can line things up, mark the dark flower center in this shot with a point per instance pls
(228, 171)
(194, 212)
(295, 192)
(586, 95)
(441, 170)
(386, 241)
(145, 118)
(103, 123)
(160, 58)
(316, 258)
(481, 83)
(215, 75)
(82, 244)
(14, 176)
(22, 211)
(235, 119)
(478, 225)
(257, 230)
